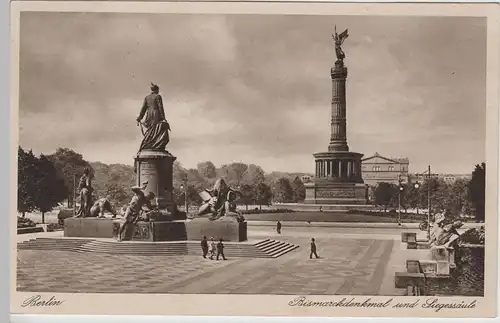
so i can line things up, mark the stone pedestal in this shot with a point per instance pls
(226, 228)
(193, 230)
(88, 227)
(156, 167)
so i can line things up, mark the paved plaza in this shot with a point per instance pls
(357, 264)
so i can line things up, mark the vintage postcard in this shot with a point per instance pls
(255, 159)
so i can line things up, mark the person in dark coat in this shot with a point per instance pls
(220, 250)
(204, 246)
(313, 249)
(278, 227)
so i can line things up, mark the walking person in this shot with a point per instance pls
(220, 250)
(278, 227)
(313, 249)
(211, 248)
(204, 246)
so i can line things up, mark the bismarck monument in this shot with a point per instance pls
(338, 177)
(152, 214)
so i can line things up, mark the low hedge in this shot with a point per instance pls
(473, 236)
(25, 223)
(262, 211)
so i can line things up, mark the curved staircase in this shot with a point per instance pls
(263, 249)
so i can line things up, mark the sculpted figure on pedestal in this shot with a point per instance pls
(152, 121)
(220, 201)
(85, 187)
(101, 206)
(449, 235)
(339, 40)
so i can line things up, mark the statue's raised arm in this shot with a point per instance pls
(339, 40)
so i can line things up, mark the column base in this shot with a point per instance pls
(336, 193)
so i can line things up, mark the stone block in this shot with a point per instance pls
(412, 237)
(412, 266)
(439, 253)
(443, 268)
(429, 266)
(403, 280)
(226, 228)
(153, 231)
(404, 236)
(88, 227)
(411, 245)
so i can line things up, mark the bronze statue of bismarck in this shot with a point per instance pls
(154, 125)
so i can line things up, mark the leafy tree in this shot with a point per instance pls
(299, 190)
(477, 191)
(385, 194)
(114, 180)
(247, 193)
(263, 194)
(50, 188)
(233, 173)
(282, 191)
(207, 169)
(253, 175)
(118, 195)
(69, 164)
(26, 189)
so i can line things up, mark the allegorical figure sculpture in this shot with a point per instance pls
(339, 40)
(85, 187)
(219, 201)
(437, 228)
(134, 208)
(449, 235)
(100, 206)
(154, 125)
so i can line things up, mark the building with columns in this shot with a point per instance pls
(377, 169)
(338, 171)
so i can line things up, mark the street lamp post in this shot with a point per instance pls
(184, 188)
(399, 198)
(74, 194)
(429, 200)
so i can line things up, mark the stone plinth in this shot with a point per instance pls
(338, 180)
(156, 167)
(403, 280)
(88, 227)
(227, 229)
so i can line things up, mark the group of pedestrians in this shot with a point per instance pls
(212, 250)
(209, 248)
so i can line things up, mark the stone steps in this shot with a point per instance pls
(263, 249)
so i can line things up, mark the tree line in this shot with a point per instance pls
(46, 181)
(460, 197)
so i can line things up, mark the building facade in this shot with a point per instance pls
(377, 169)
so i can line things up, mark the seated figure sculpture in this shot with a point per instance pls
(449, 235)
(101, 206)
(437, 228)
(219, 201)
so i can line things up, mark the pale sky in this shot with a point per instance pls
(255, 88)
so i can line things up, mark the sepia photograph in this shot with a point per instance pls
(294, 155)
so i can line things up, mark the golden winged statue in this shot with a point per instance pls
(339, 40)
